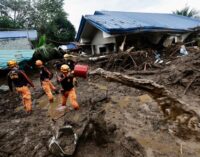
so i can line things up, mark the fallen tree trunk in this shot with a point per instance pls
(148, 85)
(171, 106)
(133, 72)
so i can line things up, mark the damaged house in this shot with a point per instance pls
(16, 45)
(112, 31)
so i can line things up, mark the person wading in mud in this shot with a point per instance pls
(69, 61)
(67, 81)
(45, 79)
(21, 82)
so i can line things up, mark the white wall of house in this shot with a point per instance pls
(83, 40)
(99, 42)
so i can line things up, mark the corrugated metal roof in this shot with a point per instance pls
(18, 55)
(30, 34)
(115, 22)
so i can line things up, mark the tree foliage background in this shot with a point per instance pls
(187, 11)
(46, 16)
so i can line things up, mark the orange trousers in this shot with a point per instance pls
(48, 87)
(72, 98)
(26, 97)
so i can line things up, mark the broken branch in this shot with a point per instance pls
(188, 86)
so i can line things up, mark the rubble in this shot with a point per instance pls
(141, 109)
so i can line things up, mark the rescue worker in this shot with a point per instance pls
(69, 61)
(67, 81)
(21, 82)
(45, 79)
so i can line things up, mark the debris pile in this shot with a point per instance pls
(142, 60)
(184, 72)
(121, 114)
(137, 60)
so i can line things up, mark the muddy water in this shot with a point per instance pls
(52, 108)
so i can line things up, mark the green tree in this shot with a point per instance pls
(17, 10)
(60, 29)
(46, 16)
(187, 11)
(52, 21)
(6, 22)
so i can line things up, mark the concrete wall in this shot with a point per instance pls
(16, 44)
(100, 42)
(176, 38)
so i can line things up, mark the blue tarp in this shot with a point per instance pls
(115, 22)
(18, 55)
(71, 46)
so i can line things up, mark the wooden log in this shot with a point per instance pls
(133, 72)
(176, 106)
(148, 85)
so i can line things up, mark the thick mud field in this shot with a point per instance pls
(114, 119)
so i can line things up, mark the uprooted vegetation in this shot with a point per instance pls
(175, 68)
(149, 109)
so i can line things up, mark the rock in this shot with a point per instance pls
(182, 118)
(193, 124)
(144, 108)
(133, 147)
(145, 98)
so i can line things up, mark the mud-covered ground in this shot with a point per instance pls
(113, 120)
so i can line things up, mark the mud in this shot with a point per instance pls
(113, 120)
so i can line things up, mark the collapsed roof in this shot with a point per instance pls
(115, 22)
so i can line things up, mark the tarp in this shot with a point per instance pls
(115, 22)
(70, 46)
(18, 55)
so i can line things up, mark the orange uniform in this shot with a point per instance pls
(68, 90)
(45, 76)
(21, 82)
